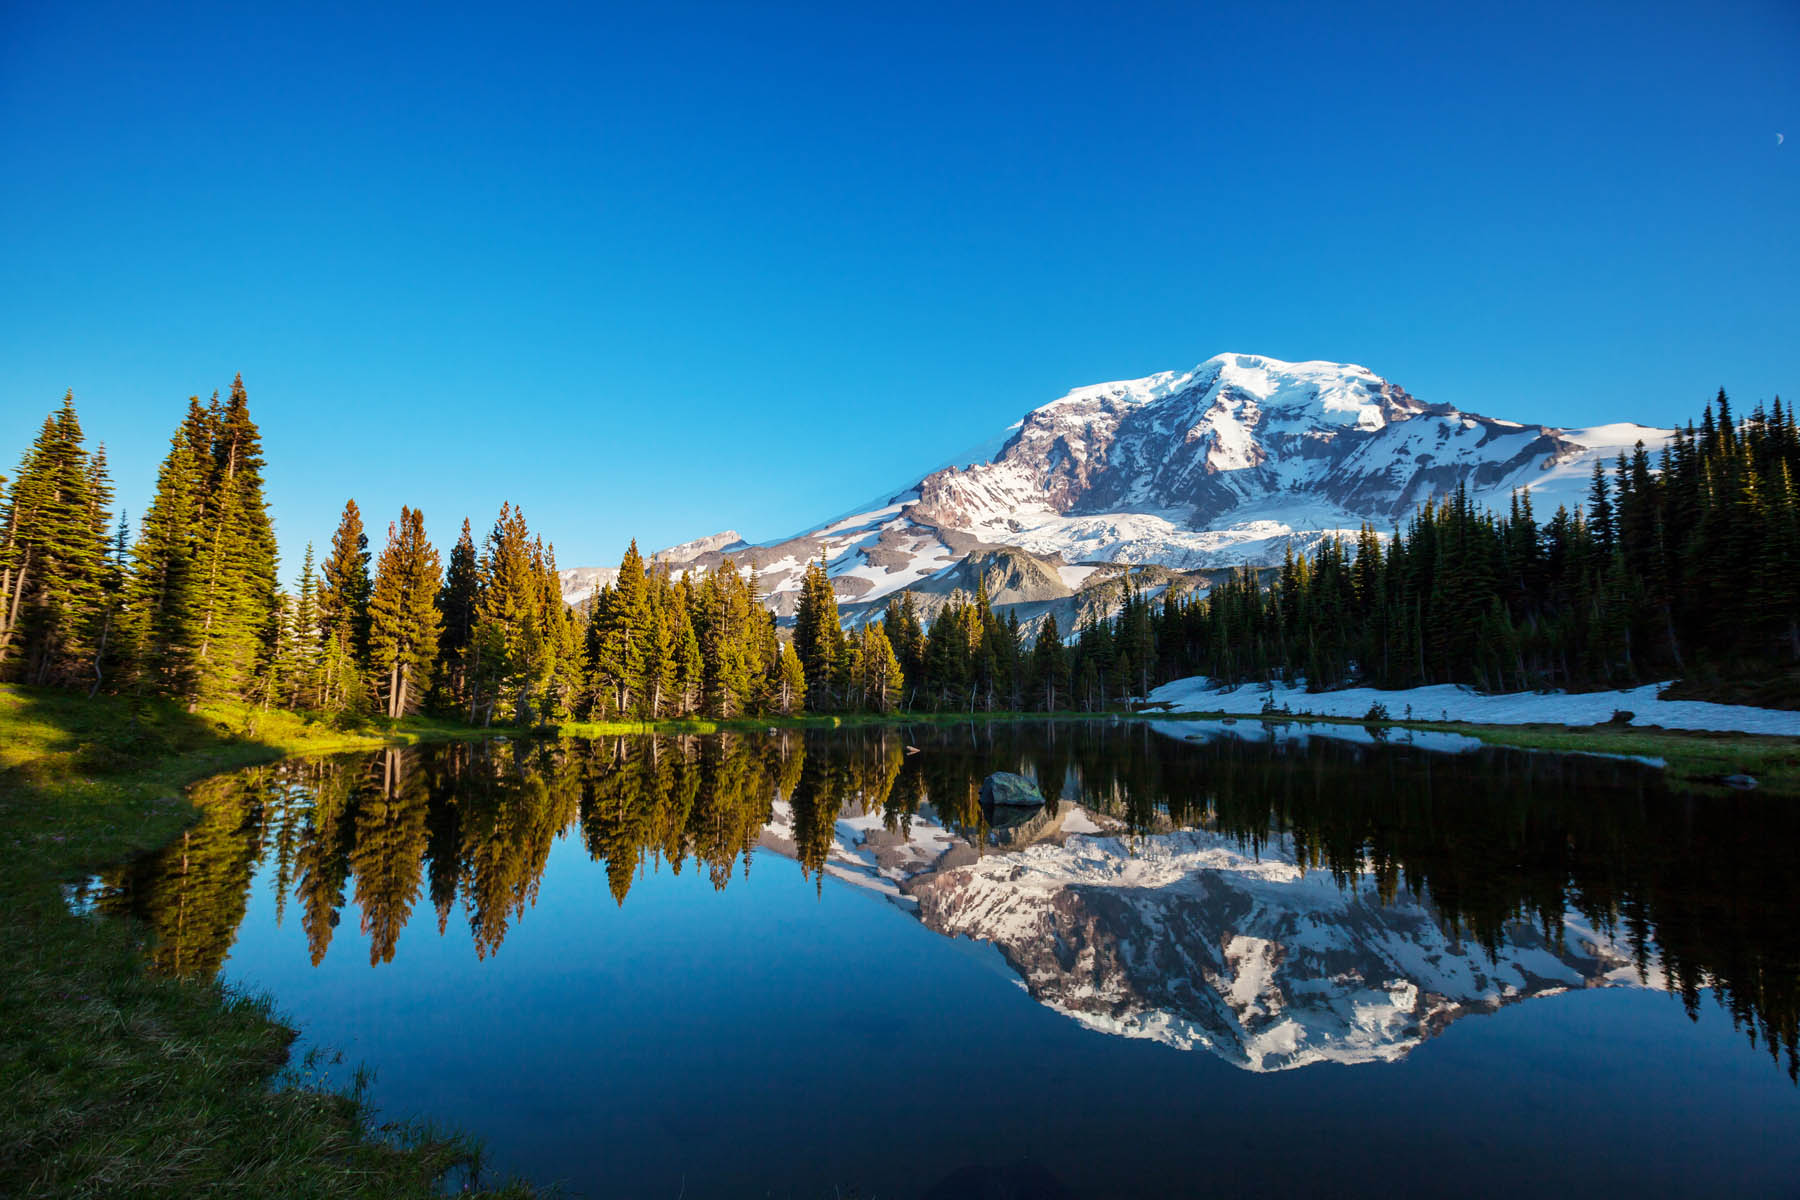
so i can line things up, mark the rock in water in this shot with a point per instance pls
(1016, 812)
(1003, 789)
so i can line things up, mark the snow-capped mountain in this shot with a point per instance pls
(1188, 939)
(1225, 464)
(1192, 939)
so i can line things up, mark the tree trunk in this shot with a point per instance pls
(16, 586)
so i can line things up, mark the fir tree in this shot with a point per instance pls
(235, 594)
(790, 696)
(161, 596)
(304, 681)
(818, 636)
(344, 584)
(53, 545)
(403, 616)
(457, 603)
(621, 639)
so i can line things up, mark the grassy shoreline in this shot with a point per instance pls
(114, 1082)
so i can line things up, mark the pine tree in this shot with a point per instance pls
(457, 604)
(53, 544)
(235, 593)
(621, 636)
(1049, 663)
(883, 684)
(790, 697)
(344, 584)
(690, 668)
(403, 616)
(161, 597)
(524, 639)
(304, 680)
(818, 636)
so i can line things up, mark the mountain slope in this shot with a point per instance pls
(1226, 464)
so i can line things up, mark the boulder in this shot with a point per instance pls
(1003, 789)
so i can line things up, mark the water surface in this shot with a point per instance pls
(1229, 956)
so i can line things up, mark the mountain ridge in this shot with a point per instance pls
(1226, 464)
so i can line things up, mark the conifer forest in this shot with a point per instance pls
(1689, 562)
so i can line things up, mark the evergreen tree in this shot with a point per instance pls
(819, 637)
(161, 596)
(621, 637)
(791, 692)
(1049, 664)
(883, 685)
(509, 639)
(403, 616)
(53, 546)
(344, 586)
(304, 681)
(457, 604)
(235, 591)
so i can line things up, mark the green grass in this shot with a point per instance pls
(1696, 760)
(117, 1083)
(114, 1082)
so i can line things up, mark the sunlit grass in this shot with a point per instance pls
(114, 1082)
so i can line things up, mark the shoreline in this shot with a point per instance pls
(117, 1079)
(104, 1062)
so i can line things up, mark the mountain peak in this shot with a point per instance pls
(1347, 393)
(1231, 462)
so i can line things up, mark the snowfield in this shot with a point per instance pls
(1448, 702)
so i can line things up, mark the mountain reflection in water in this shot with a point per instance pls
(1274, 895)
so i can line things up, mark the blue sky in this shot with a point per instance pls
(660, 271)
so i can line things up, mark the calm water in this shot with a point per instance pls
(1233, 959)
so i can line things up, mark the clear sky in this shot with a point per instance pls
(667, 270)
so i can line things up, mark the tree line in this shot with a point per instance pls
(1686, 564)
(1693, 561)
(191, 607)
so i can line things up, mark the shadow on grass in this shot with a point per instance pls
(114, 1081)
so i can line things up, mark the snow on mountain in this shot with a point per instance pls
(1191, 940)
(1225, 464)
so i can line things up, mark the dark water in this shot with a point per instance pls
(1233, 959)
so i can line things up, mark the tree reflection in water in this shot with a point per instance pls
(1697, 888)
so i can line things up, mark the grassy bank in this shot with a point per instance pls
(1696, 760)
(115, 1083)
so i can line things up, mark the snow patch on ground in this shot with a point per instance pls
(1448, 702)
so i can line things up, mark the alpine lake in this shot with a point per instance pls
(1224, 958)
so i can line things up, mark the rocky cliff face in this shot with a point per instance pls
(1168, 468)
(1227, 464)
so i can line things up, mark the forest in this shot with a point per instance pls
(1686, 564)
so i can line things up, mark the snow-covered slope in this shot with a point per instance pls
(1225, 464)
(1190, 940)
